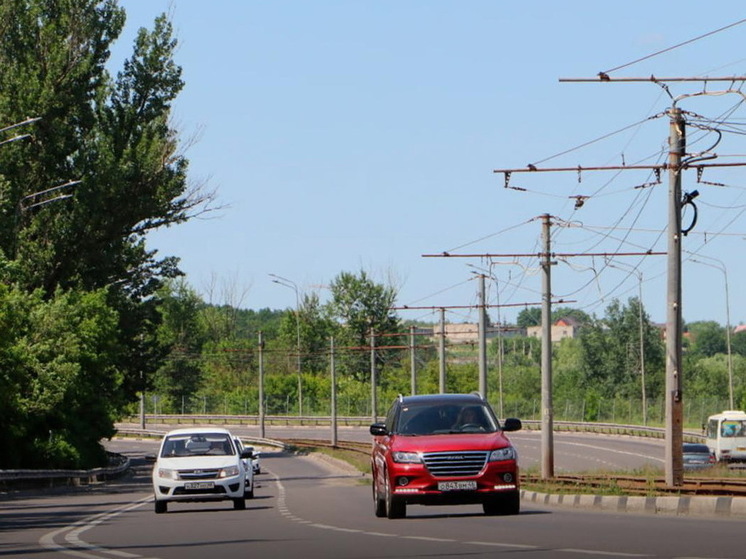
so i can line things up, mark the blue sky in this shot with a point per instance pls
(349, 135)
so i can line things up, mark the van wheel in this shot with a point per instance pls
(161, 507)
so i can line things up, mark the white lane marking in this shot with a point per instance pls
(74, 530)
(335, 528)
(605, 553)
(626, 452)
(282, 506)
(428, 539)
(558, 441)
(498, 544)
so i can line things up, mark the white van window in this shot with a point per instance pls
(732, 428)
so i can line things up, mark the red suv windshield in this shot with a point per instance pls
(445, 419)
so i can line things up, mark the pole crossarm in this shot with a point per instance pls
(542, 255)
(408, 308)
(579, 168)
(605, 78)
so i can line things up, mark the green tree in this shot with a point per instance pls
(707, 338)
(529, 317)
(182, 332)
(311, 327)
(60, 383)
(359, 305)
(113, 138)
(611, 356)
(738, 342)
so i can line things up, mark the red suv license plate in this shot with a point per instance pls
(457, 485)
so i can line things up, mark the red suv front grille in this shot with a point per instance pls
(455, 463)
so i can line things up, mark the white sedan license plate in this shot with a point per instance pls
(199, 485)
(457, 486)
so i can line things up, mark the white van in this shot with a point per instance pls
(726, 435)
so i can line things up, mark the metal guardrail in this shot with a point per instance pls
(72, 477)
(192, 419)
(159, 433)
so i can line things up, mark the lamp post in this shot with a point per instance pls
(279, 280)
(723, 269)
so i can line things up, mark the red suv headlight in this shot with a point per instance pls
(502, 454)
(406, 457)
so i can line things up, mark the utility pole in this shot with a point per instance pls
(412, 362)
(142, 402)
(261, 386)
(547, 414)
(373, 380)
(674, 406)
(333, 371)
(482, 339)
(442, 353)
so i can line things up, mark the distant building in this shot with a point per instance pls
(566, 327)
(469, 333)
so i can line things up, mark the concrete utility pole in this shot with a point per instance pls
(261, 386)
(482, 338)
(412, 362)
(373, 380)
(442, 353)
(674, 405)
(333, 372)
(500, 357)
(547, 414)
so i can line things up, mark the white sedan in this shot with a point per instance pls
(200, 464)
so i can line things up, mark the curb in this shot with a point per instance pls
(727, 507)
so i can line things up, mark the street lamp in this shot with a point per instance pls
(723, 269)
(279, 280)
(16, 125)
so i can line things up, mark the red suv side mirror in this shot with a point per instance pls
(512, 424)
(378, 429)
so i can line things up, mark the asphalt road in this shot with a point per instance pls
(574, 452)
(305, 508)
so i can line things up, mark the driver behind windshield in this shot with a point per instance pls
(470, 417)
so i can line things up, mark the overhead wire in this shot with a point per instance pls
(668, 49)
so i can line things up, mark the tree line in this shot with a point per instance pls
(598, 374)
(91, 318)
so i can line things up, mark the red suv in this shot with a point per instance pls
(443, 449)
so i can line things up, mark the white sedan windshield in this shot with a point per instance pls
(211, 444)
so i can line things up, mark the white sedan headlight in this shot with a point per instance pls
(507, 453)
(407, 457)
(167, 473)
(230, 471)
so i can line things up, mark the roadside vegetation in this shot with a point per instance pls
(91, 319)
